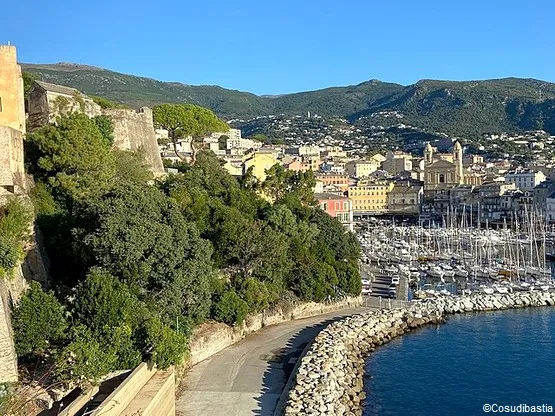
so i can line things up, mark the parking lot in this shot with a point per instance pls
(381, 283)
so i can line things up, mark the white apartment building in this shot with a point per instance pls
(360, 168)
(232, 134)
(525, 179)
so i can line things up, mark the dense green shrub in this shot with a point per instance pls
(161, 344)
(15, 221)
(38, 321)
(255, 293)
(86, 358)
(231, 309)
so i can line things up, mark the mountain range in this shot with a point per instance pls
(459, 108)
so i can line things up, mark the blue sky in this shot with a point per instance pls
(274, 47)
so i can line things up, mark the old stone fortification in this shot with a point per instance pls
(8, 361)
(12, 175)
(12, 183)
(48, 101)
(12, 112)
(33, 267)
(329, 379)
(12, 123)
(134, 130)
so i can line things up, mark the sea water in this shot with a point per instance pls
(503, 358)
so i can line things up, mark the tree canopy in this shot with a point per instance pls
(137, 264)
(187, 120)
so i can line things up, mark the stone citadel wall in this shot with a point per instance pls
(134, 130)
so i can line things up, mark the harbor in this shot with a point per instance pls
(407, 262)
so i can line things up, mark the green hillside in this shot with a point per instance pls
(465, 109)
(473, 107)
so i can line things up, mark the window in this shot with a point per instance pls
(0, 104)
(337, 205)
(345, 206)
(441, 178)
(325, 206)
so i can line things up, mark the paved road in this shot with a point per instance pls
(248, 377)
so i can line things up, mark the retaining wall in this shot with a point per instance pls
(211, 338)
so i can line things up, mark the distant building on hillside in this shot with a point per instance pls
(369, 197)
(260, 163)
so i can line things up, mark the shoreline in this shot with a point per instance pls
(329, 380)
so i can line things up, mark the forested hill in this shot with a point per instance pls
(460, 108)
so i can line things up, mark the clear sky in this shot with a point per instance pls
(281, 46)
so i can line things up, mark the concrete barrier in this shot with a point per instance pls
(156, 398)
(79, 402)
(115, 403)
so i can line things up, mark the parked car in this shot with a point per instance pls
(366, 290)
(395, 280)
(392, 293)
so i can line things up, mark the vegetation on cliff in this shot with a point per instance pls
(136, 265)
(15, 221)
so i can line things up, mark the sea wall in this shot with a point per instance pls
(329, 379)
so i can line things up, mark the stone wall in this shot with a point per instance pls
(329, 379)
(12, 175)
(8, 360)
(12, 112)
(134, 130)
(49, 101)
(33, 267)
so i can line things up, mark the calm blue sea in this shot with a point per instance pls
(504, 358)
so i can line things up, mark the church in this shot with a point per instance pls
(445, 170)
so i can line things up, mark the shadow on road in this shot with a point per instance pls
(281, 364)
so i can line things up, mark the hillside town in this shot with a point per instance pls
(445, 182)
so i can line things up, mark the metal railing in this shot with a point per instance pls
(386, 303)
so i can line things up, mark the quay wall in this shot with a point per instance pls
(329, 379)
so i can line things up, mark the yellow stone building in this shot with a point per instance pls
(12, 105)
(260, 163)
(369, 196)
(12, 123)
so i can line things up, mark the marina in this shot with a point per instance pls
(407, 262)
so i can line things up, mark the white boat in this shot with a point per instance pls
(487, 290)
(447, 270)
(501, 289)
(435, 271)
(460, 272)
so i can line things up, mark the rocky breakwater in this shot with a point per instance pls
(329, 379)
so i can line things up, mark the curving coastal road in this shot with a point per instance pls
(249, 377)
